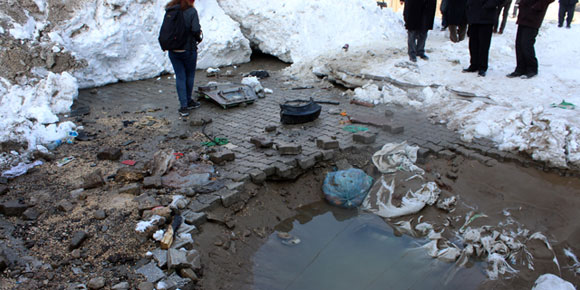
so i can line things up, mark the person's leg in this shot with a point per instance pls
(178, 63)
(485, 32)
(421, 39)
(462, 31)
(506, 9)
(453, 33)
(520, 60)
(473, 32)
(412, 44)
(561, 14)
(190, 66)
(529, 53)
(571, 9)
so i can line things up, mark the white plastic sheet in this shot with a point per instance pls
(393, 157)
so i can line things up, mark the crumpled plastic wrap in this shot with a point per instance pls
(393, 157)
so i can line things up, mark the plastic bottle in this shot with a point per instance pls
(54, 144)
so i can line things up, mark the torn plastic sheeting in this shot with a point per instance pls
(498, 265)
(20, 169)
(541, 237)
(347, 188)
(380, 199)
(576, 266)
(163, 160)
(393, 157)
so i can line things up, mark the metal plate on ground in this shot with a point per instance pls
(228, 94)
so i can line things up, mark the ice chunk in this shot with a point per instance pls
(552, 282)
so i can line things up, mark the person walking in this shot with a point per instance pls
(505, 7)
(530, 19)
(184, 58)
(480, 17)
(566, 7)
(419, 16)
(457, 19)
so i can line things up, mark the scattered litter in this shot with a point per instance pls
(212, 72)
(563, 105)
(303, 88)
(346, 188)
(216, 142)
(298, 114)
(379, 201)
(158, 235)
(129, 162)
(354, 129)
(543, 238)
(362, 103)
(268, 91)
(447, 204)
(20, 169)
(343, 113)
(258, 73)
(498, 265)
(576, 266)
(65, 161)
(178, 155)
(393, 157)
(552, 282)
(162, 161)
(142, 226)
(469, 218)
(288, 239)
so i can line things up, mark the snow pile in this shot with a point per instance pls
(28, 112)
(118, 40)
(300, 30)
(552, 282)
(518, 114)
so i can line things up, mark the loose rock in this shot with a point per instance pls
(96, 283)
(77, 239)
(109, 154)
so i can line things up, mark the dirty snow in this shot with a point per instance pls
(552, 282)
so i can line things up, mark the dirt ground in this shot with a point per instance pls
(536, 200)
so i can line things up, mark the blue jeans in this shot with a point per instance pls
(184, 64)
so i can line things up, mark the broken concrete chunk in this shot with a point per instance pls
(221, 156)
(30, 214)
(151, 272)
(93, 180)
(365, 137)
(262, 142)
(129, 174)
(153, 182)
(12, 208)
(194, 218)
(160, 257)
(133, 189)
(109, 154)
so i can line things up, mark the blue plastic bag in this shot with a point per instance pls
(347, 188)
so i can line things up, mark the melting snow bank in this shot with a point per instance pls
(28, 113)
(300, 30)
(517, 114)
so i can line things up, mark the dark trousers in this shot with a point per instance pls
(416, 42)
(566, 9)
(457, 32)
(479, 42)
(525, 52)
(184, 64)
(505, 7)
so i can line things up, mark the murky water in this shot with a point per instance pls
(332, 248)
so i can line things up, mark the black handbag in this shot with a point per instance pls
(299, 113)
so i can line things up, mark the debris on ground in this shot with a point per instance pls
(346, 188)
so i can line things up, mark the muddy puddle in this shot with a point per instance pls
(324, 247)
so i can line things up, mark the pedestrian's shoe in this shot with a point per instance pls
(469, 70)
(413, 58)
(568, 26)
(481, 73)
(560, 25)
(193, 105)
(530, 75)
(500, 31)
(424, 57)
(495, 30)
(514, 74)
(183, 112)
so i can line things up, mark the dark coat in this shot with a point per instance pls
(568, 2)
(482, 11)
(192, 25)
(419, 14)
(455, 12)
(532, 12)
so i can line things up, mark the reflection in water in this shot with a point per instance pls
(345, 249)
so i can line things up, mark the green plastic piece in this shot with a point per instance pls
(564, 105)
(354, 129)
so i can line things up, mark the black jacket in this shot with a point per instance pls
(568, 2)
(192, 25)
(455, 12)
(482, 11)
(419, 14)
(532, 12)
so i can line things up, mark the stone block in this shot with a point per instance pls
(12, 208)
(258, 176)
(446, 154)
(327, 155)
(177, 259)
(289, 148)
(194, 218)
(230, 197)
(133, 189)
(189, 274)
(326, 143)
(394, 128)
(306, 162)
(364, 137)
(204, 202)
(160, 257)
(151, 272)
(222, 156)
(93, 180)
(129, 174)
(283, 170)
(262, 142)
(152, 182)
(109, 154)
(174, 282)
